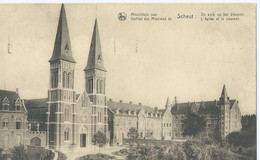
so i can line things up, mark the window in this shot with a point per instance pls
(69, 81)
(67, 48)
(5, 123)
(97, 86)
(93, 110)
(6, 140)
(67, 111)
(99, 116)
(90, 86)
(67, 134)
(5, 106)
(52, 81)
(18, 108)
(64, 76)
(105, 111)
(18, 123)
(101, 86)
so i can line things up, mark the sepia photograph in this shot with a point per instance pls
(128, 81)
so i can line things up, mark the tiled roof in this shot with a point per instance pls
(37, 109)
(12, 96)
(202, 107)
(36, 103)
(123, 106)
(129, 107)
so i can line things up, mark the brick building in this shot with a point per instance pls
(221, 116)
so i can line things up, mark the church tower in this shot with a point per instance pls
(61, 94)
(95, 84)
(224, 106)
(168, 103)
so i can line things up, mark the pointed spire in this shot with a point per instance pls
(224, 97)
(62, 46)
(168, 103)
(95, 58)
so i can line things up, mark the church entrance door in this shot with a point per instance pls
(83, 139)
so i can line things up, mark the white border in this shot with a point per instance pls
(167, 1)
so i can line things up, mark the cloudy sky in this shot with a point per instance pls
(147, 61)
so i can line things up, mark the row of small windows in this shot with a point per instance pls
(100, 86)
(6, 107)
(94, 110)
(167, 124)
(66, 80)
(5, 123)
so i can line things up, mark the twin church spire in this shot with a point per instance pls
(62, 47)
(95, 58)
(62, 51)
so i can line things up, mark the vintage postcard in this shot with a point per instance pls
(128, 81)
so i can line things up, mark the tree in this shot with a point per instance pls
(1, 153)
(19, 153)
(99, 139)
(133, 135)
(193, 124)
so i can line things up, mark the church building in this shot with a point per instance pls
(66, 120)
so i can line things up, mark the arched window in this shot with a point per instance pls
(101, 86)
(18, 139)
(6, 140)
(64, 75)
(5, 123)
(67, 114)
(35, 141)
(90, 86)
(97, 86)
(67, 134)
(69, 80)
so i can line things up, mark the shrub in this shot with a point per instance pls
(19, 153)
(98, 156)
(61, 156)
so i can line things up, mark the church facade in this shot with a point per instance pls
(66, 120)
(72, 120)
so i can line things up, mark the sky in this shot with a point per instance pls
(147, 61)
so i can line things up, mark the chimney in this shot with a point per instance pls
(175, 100)
(216, 103)
(156, 109)
(121, 101)
(130, 102)
(140, 104)
(110, 99)
(17, 90)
